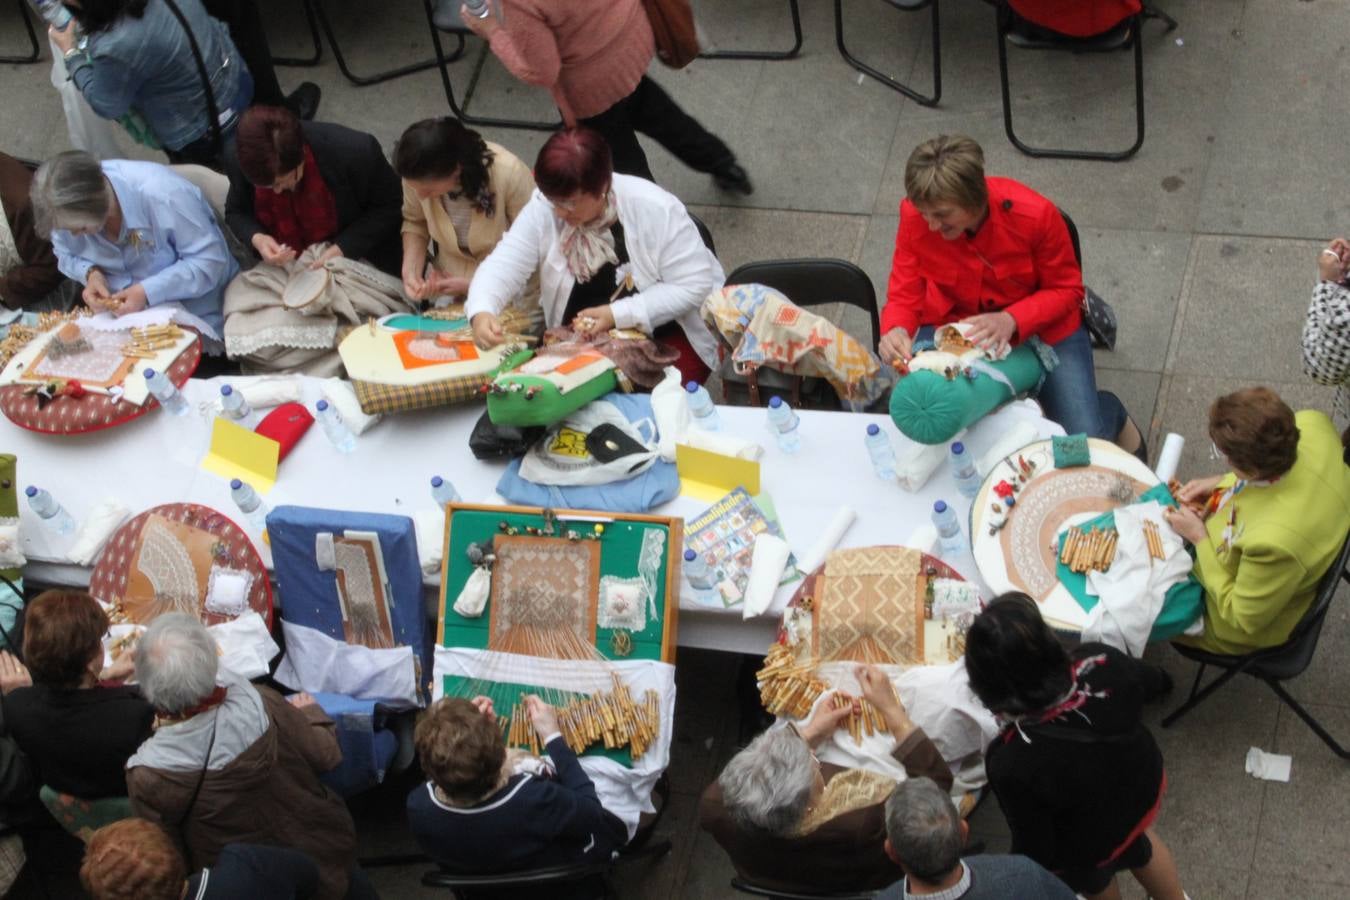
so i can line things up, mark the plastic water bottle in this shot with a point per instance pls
(52, 513)
(479, 9)
(443, 491)
(168, 396)
(882, 453)
(250, 504)
(963, 470)
(234, 404)
(55, 13)
(701, 407)
(950, 539)
(338, 433)
(783, 422)
(699, 576)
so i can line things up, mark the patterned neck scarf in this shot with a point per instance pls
(587, 248)
(1072, 701)
(300, 217)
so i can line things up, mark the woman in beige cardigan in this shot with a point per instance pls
(460, 194)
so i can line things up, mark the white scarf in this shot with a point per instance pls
(588, 247)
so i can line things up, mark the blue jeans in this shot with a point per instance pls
(1070, 396)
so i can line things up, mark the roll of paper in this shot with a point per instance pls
(924, 538)
(834, 533)
(1014, 439)
(766, 570)
(725, 444)
(1170, 457)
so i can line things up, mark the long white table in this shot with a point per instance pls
(154, 460)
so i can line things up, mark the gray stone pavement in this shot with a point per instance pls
(1205, 242)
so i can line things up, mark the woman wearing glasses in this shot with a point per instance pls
(612, 251)
(1266, 532)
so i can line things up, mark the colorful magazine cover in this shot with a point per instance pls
(724, 535)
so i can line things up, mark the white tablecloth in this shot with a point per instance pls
(153, 460)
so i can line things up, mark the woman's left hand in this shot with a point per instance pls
(66, 38)
(484, 27)
(595, 320)
(333, 252)
(991, 331)
(1187, 523)
(129, 300)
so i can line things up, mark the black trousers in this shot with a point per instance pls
(650, 110)
(246, 30)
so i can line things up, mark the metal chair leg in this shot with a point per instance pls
(1307, 717)
(312, 60)
(362, 80)
(1136, 29)
(885, 79)
(767, 54)
(1195, 699)
(1152, 12)
(440, 62)
(36, 50)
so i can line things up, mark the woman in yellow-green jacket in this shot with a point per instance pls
(1266, 532)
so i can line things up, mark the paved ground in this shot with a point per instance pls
(1205, 242)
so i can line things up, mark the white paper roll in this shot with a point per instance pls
(924, 539)
(766, 570)
(834, 533)
(725, 444)
(1170, 457)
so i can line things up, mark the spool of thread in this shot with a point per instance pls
(1170, 457)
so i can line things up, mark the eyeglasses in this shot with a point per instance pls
(562, 205)
(1215, 452)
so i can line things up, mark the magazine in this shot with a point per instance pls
(724, 535)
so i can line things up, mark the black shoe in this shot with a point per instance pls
(731, 177)
(304, 100)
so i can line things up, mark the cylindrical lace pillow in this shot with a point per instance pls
(930, 408)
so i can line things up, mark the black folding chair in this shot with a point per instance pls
(904, 6)
(537, 881)
(316, 54)
(806, 282)
(1274, 665)
(745, 887)
(36, 51)
(314, 10)
(1125, 35)
(766, 54)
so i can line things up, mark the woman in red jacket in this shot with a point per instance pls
(996, 254)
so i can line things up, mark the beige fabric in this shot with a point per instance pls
(849, 790)
(513, 183)
(265, 336)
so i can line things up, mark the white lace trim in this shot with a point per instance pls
(298, 337)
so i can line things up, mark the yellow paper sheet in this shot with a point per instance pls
(239, 453)
(709, 476)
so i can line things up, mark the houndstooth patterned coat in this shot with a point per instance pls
(1326, 343)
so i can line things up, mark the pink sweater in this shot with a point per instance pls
(589, 54)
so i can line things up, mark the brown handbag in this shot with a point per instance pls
(673, 27)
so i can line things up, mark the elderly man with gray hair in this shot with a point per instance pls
(791, 823)
(925, 835)
(233, 763)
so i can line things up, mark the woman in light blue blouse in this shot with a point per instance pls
(135, 234)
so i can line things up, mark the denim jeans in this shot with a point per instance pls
(1070, 396)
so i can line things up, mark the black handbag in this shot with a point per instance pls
(492, 441)
(1100, 319)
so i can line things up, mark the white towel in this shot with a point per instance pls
(98, 525)
(342, 396)
(767, 561)
(430, 527)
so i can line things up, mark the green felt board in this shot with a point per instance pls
(1184, 601)
(619, 549)
(457, 686)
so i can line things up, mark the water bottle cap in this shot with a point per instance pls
(149, 373)
(775, 402)
(873, 429)
(321, 405)
(226, 390)
(30, 491)
(692, 387)
(958, 447)
(437, 481)
(690, 556)
(939, 507)
(235, 484)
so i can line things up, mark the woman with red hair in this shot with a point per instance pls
(294, 184)
(592, 56)
(612, 251)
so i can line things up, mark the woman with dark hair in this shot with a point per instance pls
(294, 183)
(134, 58)
(592, 56)
(77, 723)
(612, 251)
(1078, 776)
(460, 195)
(1265, 533)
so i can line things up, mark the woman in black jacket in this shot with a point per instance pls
(293, 184)
(1078, 775)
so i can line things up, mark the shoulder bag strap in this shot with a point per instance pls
(217, 140)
